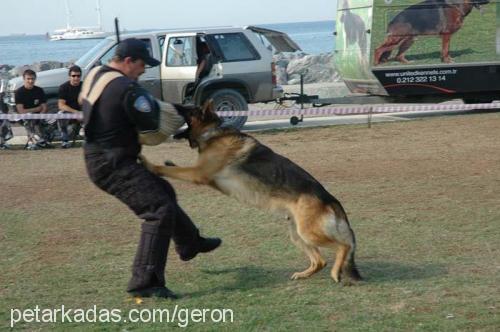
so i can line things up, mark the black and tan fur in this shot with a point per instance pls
(430, 17)
(239, 166)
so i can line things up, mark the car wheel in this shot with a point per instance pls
(230, 100)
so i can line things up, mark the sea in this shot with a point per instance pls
(313, 37)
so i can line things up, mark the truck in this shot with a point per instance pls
(390, 51)
(242, 72)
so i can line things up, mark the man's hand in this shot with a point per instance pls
(21, 110)
(61, 104)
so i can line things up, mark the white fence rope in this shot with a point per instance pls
(333, 110)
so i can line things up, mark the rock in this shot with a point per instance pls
(47, 65)
(281, 75)
(8, 71)
(5, 70)
(294, 80)
(314, 68)
(19, 70)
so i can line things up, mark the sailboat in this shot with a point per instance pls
(72, 33)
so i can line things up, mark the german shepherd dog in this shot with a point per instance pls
(429, 17)
(238, 165)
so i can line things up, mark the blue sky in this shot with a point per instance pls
(41, 16)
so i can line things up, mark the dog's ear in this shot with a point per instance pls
(182, 110)
(185, 111)
(208, 106)
(208, 112)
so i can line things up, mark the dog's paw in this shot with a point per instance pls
(169, 163)
(300, 275)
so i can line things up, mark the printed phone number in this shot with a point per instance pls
(420, 79)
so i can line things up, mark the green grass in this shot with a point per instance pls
(474, 42)
(422, 197)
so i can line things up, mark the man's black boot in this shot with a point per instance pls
(148, 271)
(202, 245)
(161, 292)
(188, 242)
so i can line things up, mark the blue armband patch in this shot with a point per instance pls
(142, 104)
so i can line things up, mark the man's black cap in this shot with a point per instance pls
(135, 48)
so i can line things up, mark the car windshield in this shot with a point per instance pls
(85, 60)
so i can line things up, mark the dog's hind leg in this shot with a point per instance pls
(312, 252)
(340, 257)
(445, 48)
(342, 237)
(383, 52)
(385, 56)
(403, 47)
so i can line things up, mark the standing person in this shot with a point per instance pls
(116, 110)
(31, 99)
(68, 103)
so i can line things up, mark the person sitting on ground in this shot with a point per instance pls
(68, 103)
(31, 99)
(5, 128)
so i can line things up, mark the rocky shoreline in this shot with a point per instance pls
(289, 66)
(314, 68)
(9, 71)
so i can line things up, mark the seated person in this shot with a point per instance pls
(204, 62)
(5, 128)
(68, 103)
(31, 99)
(204, 65)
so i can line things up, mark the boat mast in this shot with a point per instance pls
(99, 22)
(68, 14)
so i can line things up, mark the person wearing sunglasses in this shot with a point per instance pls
(68, 103)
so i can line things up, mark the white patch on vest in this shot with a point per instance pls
(142, 104)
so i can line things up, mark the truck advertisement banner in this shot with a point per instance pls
(435, 46)
(352, 46)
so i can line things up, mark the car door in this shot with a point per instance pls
(280, 41)
(179, 65)
(150, 80)
(151, 77)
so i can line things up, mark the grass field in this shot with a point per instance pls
(474, 42)
(423, 198)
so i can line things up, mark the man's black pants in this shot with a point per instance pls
(152, 199)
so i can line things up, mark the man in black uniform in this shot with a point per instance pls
(68, 103)
(117, 110)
